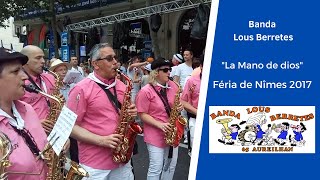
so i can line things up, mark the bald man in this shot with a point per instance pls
(44, 81)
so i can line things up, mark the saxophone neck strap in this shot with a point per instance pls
(28, 139)
(168, 110)
(113, 98)
(36, 85)
(31, 80)
(164, 100)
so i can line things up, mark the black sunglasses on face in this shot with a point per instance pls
(165, 70)
(108, 58)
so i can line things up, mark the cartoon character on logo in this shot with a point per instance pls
(297, 139)
(283, 130)
(258, 120)
(229, 133)
(248, 136)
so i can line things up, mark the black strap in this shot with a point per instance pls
(164, 100)
(35, 84)
(113, 98)
(28, 139)
(190, 115)
(32, 81)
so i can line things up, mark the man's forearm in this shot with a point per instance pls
(84, 135)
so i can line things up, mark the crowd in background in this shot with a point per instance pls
(157, 82)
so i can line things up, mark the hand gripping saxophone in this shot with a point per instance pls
(5, 151)
(56, 163)
(126, 127)
(176, 121)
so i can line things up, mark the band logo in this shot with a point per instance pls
(262, 129)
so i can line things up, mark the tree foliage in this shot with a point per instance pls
(14, 8)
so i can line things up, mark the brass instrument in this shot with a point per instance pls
(176, 121)
(225, 128)
(5, 151)
(76, 172)
(55, 163)
(127, 127)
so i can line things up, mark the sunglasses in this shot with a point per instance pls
(165, 70)
(108, 58)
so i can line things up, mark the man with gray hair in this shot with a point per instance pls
(96, 101)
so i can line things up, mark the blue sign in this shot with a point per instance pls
(83, 51)
(147, 45)
(65, 53)
(60, 9)
(64, 39)
(146, 53)
(136, 28)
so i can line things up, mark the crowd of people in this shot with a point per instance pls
(96, 99)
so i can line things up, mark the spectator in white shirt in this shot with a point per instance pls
(185, 69)
(74, 63)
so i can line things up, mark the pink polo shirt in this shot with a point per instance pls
(148, 101)
(191, 91)
(96, 114)
(21, 158)
(38, 101)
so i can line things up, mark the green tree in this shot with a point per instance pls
(13, 8)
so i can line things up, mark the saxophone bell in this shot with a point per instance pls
(76, 172)
(5, 151)
(126, 127)
(172, 138)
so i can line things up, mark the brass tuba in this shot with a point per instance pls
(225, 129)
(127, 127)
(176, 121)
(5, 151)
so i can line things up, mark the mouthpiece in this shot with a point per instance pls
(45, 68)
(31, 88)
(118, 70)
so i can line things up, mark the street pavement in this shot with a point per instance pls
(141, 162)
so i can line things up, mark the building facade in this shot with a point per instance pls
(9, 36)
(172, 34)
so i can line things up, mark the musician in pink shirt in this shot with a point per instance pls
(19, 122)
(151, 102)
(190, 98)
(44, 81)
(98, 117)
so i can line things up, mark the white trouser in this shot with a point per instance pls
(184, 114)
(192, 124)
(121, 173)
(159, 165)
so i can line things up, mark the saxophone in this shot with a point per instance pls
(56, 163)
(176, 121)
(5, 151)
(127, 127)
